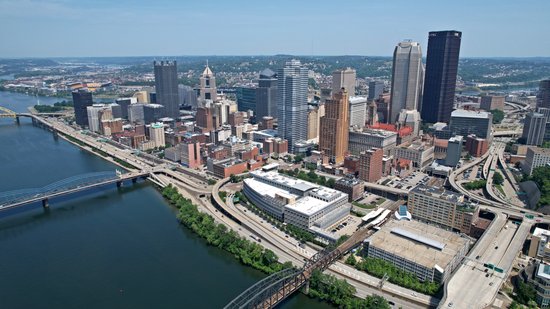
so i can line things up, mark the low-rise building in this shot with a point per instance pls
(300, 203)
(365, 139)
(420, 153)
(226, 167)
(352, 186)
(465, 122)
(540, 244)
(424, 250)
(476, 146)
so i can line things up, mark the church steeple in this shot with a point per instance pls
(208, 84)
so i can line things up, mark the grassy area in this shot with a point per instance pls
(365, 206)
(499, 188)
(476, 184)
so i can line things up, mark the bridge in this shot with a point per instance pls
(7, 113)
(71, 185)
(270, 291)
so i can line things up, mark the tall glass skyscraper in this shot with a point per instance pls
(166, 85)
(292, 102)
(81, 100)
(440, 78)
(407, 79)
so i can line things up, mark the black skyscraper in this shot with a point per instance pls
(440, 78)
(81, 100)
(166, 84)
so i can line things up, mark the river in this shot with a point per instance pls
(114, 248)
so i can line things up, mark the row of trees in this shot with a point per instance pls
(341, 293)
(379, 268)
(310, 176)
(247, 252)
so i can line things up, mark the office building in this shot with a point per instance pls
(476, 146)
(124, 104)
(541, 281)
(166, 87)
(141, 97)
(352, 186)
(407, 79)
(376, 88)
(357, 111)
(426, 251)
(491, 102)
(156, 134)
(465, 122)
(543, 98)
(334, 128)
(420, 153)
(297, 202)
(364, 139)
(344, 78)
(539, 247)
(135, 113)
(116, 110)
(187, 96)
(109, 127)
(191, 154)
(153, 112)
(314, 115)
(370, 164)
(292, 102)
(81, 100)
(444, 208)
(246, 99)
(411, 119)
(533, 129)
(454, 151)
(440, 77)
(153, 97)
(266, 95)
(534, 158)
(207, 81)
(96, 113)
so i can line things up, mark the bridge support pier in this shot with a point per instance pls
(306, 288)
(17, 120)
(119, 184)
(45, 204)
(134, 180)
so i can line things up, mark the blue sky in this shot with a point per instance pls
(49, 28)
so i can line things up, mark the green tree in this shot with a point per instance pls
(498, 115)
(525, 293)
(498, 179)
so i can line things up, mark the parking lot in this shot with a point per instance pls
(347, 226)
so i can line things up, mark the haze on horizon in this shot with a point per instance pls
(67, 28)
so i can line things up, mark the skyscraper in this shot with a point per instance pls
(207, 82)
(533, 129)
(334, 132)
(407, 79)
(344, 78)
(543, 98)
(266, 95)
(292, 102)
(440, 78)
(81, 100)
(376, 88)
(166, 84)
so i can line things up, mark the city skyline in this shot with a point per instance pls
(74, 29)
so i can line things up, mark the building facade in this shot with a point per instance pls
(357, 111)
(534, 129)
(370, 165)
(534, 158)
(543, 97)
(292, 102)
(166, 87)
(334, 128)
(465, 122)
(344, 78)
(81, 100)
(407, 79)
(440, 78)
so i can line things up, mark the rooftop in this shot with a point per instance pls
(462, 113)
(543, 271)
(438, 193)
(423, 244)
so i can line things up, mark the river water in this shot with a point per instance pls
(114, 248)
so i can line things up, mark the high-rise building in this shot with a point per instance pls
(333, 134)
(204, 118)
(491, 102)
(156, 134)
(534, 158)
(533, 129)
(543, 98)
(96, 113)
(370, 164)
(208, 90)
(187, 96)
(357, 111)
(266, 94)
(292, 102)
(344, 78)
(166, 85)
(376, 88)
(124, 104)
(81, 100)
(454, 150)
(440, 78)
(465, 122)
(191, 154)
(135, 113)
(141, 97)
(153, 112)
(407, 79)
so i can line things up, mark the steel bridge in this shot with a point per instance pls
(16, 198)
(6, 113)
(270, 291)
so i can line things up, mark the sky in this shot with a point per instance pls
(68, 28)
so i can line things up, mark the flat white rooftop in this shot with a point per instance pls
(461, 113)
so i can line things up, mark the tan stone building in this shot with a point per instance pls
(334, 128)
